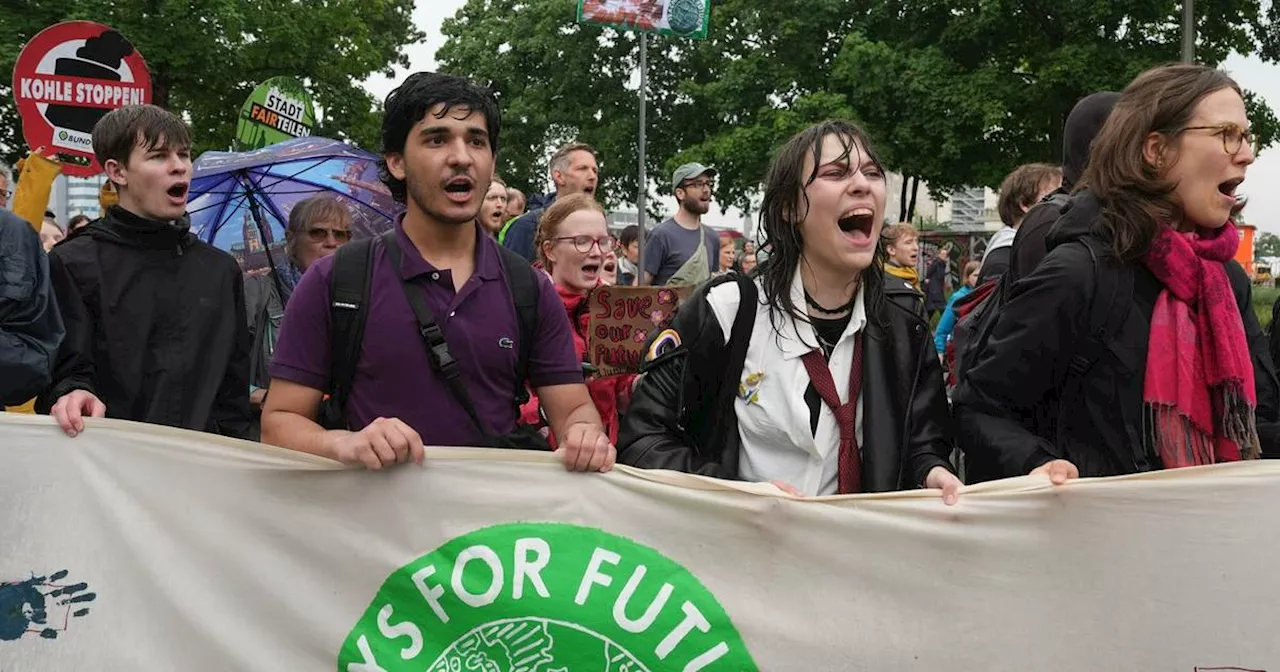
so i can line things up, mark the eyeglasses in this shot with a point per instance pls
(1233, 137)
(583, 244)
(699, 184)
(320, 234)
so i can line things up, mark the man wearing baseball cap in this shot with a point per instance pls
(681, 251)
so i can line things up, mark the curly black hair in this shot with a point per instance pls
(409, 103)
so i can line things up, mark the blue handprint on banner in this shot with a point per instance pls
(25, 606)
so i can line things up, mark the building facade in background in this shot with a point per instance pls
(72, 196)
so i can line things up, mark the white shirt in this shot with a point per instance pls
(773, 418)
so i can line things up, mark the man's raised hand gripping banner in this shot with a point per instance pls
(134, 547)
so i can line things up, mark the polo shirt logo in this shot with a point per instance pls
(506, 343)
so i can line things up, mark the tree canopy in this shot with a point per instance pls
(206, 56)
(954, 92)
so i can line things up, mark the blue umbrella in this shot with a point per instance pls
(240, 201)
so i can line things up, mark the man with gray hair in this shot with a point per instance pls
(574, 170)
(6, 186)
(317, 227)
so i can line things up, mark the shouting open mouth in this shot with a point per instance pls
(858, 225)
(460, 189)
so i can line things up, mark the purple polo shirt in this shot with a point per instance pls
(393, 377)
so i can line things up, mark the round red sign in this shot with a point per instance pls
(66, 79)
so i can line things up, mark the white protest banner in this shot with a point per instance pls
(142, 548)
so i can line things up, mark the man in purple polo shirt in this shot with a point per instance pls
(440, 139)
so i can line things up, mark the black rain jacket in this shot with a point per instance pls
(30, 326)
(155, 325)
(1021, 405)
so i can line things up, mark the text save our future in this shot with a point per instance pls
(622, 321)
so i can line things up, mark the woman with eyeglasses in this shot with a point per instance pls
(574, 247)
(1133, 346)
(317, 227)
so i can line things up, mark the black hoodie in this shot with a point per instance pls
(1083, 124)
(1021, 405)
(155, 324)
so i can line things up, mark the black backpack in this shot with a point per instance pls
(349, 310)
(976, 313)
(1105, 319)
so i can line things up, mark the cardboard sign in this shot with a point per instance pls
(623, 318)
(279, 109)
(66, 79)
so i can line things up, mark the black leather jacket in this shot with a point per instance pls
(682, 415)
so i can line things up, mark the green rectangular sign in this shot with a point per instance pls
(682, 18)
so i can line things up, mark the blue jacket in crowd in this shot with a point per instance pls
(31, 327)
(947, 323)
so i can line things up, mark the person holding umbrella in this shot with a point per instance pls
(155, 318)
(318, 226)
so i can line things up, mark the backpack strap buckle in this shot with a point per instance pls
(438, 351)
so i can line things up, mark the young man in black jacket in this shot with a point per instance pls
(1083, 124)
(155, 318)
(30, 327)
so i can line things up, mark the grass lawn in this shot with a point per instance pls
(1263, 298)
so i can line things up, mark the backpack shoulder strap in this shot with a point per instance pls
(1106, 314)
(348, 312)
(523, 283)
(743, 324)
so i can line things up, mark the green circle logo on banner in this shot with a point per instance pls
(279, 109)
(685, 16)
(543, 597)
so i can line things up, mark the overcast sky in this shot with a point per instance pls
(1251, 72)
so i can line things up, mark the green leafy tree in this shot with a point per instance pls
(956, 93)
(1266, 245)
(205, 56)
(971, 90)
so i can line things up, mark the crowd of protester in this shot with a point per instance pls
(1106, 331)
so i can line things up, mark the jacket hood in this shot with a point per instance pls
(125, 228)
(1079, 218)
(1082, 126)
(536, 201)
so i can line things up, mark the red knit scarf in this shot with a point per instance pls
(1199, 394)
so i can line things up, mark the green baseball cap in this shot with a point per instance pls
(689, 171)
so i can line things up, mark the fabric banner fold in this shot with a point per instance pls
(134, 547)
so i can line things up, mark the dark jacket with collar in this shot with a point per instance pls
(155, 325)
(522, 233)
(1020, 406)
(682, 416)
(30, 326)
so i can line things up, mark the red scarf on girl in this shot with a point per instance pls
(611, 394)
(1199, 391)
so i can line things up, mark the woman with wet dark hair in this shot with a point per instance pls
(811, 374)
(1133, 346)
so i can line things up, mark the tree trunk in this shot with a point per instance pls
(160, 89)
(915, 191)
(902, 202)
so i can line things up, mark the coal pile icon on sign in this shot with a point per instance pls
(99, 58)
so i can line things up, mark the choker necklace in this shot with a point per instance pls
(831, 311)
